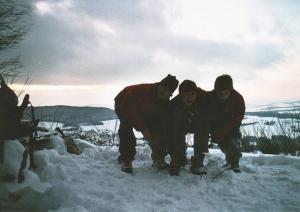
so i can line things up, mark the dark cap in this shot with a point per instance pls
(187, 86)
(170, 81)
(223, 82)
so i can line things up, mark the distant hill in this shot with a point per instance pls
(278, 107)
(71, 115)
(278, 110)
(282, 115)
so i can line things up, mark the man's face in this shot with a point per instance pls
(223, 95)
(163, 92)
(189, 97)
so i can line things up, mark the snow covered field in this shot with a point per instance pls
(250, 130)
(275, 106)
(93, 181)
(252, 125)
(269, 126)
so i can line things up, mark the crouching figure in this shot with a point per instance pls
(143, 107)
(188, 114)
(229, 108)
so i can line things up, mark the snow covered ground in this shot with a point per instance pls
(93, 181)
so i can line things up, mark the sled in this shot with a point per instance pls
(69, 143)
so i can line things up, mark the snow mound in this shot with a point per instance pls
(93, 181)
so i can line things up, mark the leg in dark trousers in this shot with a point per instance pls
(201, 137)
(177, 145)
(157, 128)
(157, 125)
(127, 142)
(177, 149)
(230, 147)
(159, 147)
(178, 127)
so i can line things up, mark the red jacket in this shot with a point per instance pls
(229, 115)
(139, 103)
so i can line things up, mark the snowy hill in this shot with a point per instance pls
(281, 118)
(93, 181)
(277, 110)
(283, 106)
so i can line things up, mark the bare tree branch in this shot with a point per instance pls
(13, 29)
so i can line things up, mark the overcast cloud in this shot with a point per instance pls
(99, 42)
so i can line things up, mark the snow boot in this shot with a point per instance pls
(197, 166)
(235, 167)
(126, 166)
(235, 163)
(160, 164)
(174, 167)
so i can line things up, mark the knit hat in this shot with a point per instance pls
(170, 81)
(187, 86)
(223, 82)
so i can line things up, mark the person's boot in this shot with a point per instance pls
(235, 163)
(235, 167)
(174, 167)
(126, 166)
(160, 164)
(197, 166)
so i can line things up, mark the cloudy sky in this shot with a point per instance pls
(84, 52)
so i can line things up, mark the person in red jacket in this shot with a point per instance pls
(229, 108)
(143, 107)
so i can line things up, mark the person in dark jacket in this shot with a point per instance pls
(10, 113)
(143, 107)
(229, 108)
(188, 115)
(12, 127)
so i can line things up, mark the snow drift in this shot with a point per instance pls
(93, 181)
